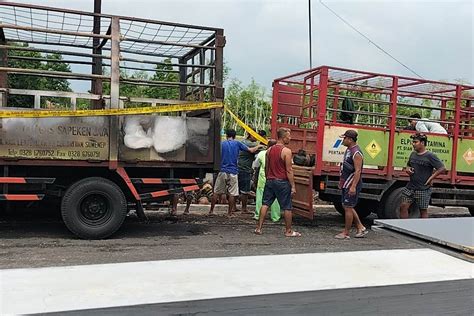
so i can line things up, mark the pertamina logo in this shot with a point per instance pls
(337, 143)
(469, 156)
(373, 148)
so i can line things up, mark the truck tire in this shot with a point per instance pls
(362, 208)
(471, 210)
(93, 208)
(390, 208)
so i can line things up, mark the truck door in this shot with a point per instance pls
(303, 199)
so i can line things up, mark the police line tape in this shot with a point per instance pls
(246, 127)
(110, 112)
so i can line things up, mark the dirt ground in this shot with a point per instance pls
(40, 239)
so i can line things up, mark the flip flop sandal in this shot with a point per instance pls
(293, 234)
(257, 231)
(362, 233)
(342, 236)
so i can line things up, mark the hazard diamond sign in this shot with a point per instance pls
(469, 156)
(373, 148)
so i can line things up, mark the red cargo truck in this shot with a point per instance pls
(313, 104)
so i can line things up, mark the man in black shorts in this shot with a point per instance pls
(350, 184)
(420, 168)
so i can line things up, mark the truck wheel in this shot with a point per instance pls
(471, 210)
(362, 208)
(93, 208)
(390, 209)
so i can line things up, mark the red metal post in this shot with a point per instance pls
(323, 91)
(457, 120)
(123, 174)
(443, 111)
(335, 104)
(3, 74)
(311, 98)
(303, 100)
(275, 109)
(392, 126)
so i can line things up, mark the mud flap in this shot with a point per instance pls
(303, 199)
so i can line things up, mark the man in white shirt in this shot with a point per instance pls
(426, 126)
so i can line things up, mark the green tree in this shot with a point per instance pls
(163, 74)
(20, 81)
(250, 103)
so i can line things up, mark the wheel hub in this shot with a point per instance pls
(94, 207)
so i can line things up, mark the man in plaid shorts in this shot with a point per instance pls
(420, 167)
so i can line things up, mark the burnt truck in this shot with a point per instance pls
(320, 104)
(95, 168)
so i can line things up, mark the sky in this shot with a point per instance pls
(267, 39)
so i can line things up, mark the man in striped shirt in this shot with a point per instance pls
(351, 184)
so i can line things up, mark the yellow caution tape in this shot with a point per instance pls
(129, 111)
(246, 127)
(110, 112)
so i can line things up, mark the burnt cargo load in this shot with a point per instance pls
(141, 138)
(95, 169)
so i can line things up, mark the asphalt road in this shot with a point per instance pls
(40, 239)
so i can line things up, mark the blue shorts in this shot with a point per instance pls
(350, 200)
(279, 190)
(245, 179)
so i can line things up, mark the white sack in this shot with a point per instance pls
(169, 133)
(135, 135)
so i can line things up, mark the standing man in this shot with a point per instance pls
(420, 168)
(245, 161)
(227, 179)
(260, 180)
(351, 184)
(280, 183)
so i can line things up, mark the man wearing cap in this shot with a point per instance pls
(420, 168)
(350, 184)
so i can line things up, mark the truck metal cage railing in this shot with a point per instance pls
(319, 102)
(111, 52)
(117, 62)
